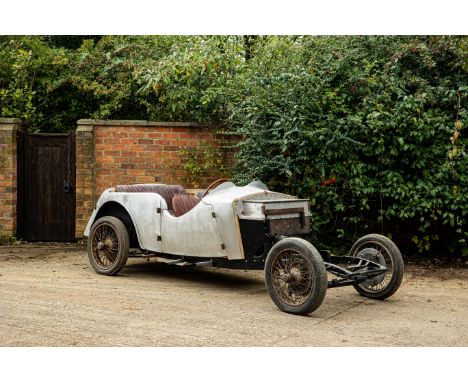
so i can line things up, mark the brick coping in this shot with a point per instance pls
(9, 121)
(118, 123)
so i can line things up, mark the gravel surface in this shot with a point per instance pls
(50, 296)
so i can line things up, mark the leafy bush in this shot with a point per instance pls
(189, 83)
(369, 128)
(166, 78)
(27, 65)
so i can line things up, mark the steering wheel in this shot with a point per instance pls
(213, 185)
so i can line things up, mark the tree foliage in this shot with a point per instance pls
(370, 129)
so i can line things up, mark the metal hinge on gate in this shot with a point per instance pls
(158, 210)
(223, 247)
(159, 238)
(213, 214)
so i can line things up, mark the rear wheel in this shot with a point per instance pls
(295, 276)
(382, 250)
(108, 245)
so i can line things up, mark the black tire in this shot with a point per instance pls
(382, 250)
(295, 276)
(108, 245)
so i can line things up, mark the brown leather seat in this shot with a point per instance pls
(182, 204)
(165, 190)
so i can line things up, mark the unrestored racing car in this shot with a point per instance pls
(247, 227)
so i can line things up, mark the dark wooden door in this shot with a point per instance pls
(47, 187)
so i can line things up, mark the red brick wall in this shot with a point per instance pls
(109, 153)
(8, 130)
(126, 152)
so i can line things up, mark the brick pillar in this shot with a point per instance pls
(85, 176)
(8, 162)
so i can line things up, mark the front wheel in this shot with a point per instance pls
(382, 250)
(108, 245)
(295, 276)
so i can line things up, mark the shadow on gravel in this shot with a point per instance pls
(215, 277)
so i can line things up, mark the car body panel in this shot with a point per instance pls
(195, 233)
(142, 208)
(211, 229)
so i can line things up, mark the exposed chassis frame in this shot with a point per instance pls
(357, 269)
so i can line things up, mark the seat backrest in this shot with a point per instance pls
(182, 204)
(165, 190)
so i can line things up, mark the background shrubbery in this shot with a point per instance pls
(371, 129)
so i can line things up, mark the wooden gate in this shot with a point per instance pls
(46, 187)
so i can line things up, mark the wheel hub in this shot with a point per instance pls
(293, 276)
(108, 243)
(296, 275)
(374, 255)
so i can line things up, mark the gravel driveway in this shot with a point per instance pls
(50, 296)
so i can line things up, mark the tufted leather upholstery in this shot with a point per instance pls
(165, 190)
(182, 204)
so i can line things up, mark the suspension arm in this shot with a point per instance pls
(357, 270)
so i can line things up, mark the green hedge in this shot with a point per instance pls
(371, 129)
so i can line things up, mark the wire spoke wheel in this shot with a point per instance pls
(377, 253)
(381, 250)
(295, 276)
(105, 246)
(293, 279)
(108, 245)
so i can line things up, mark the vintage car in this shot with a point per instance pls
(227, 226)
